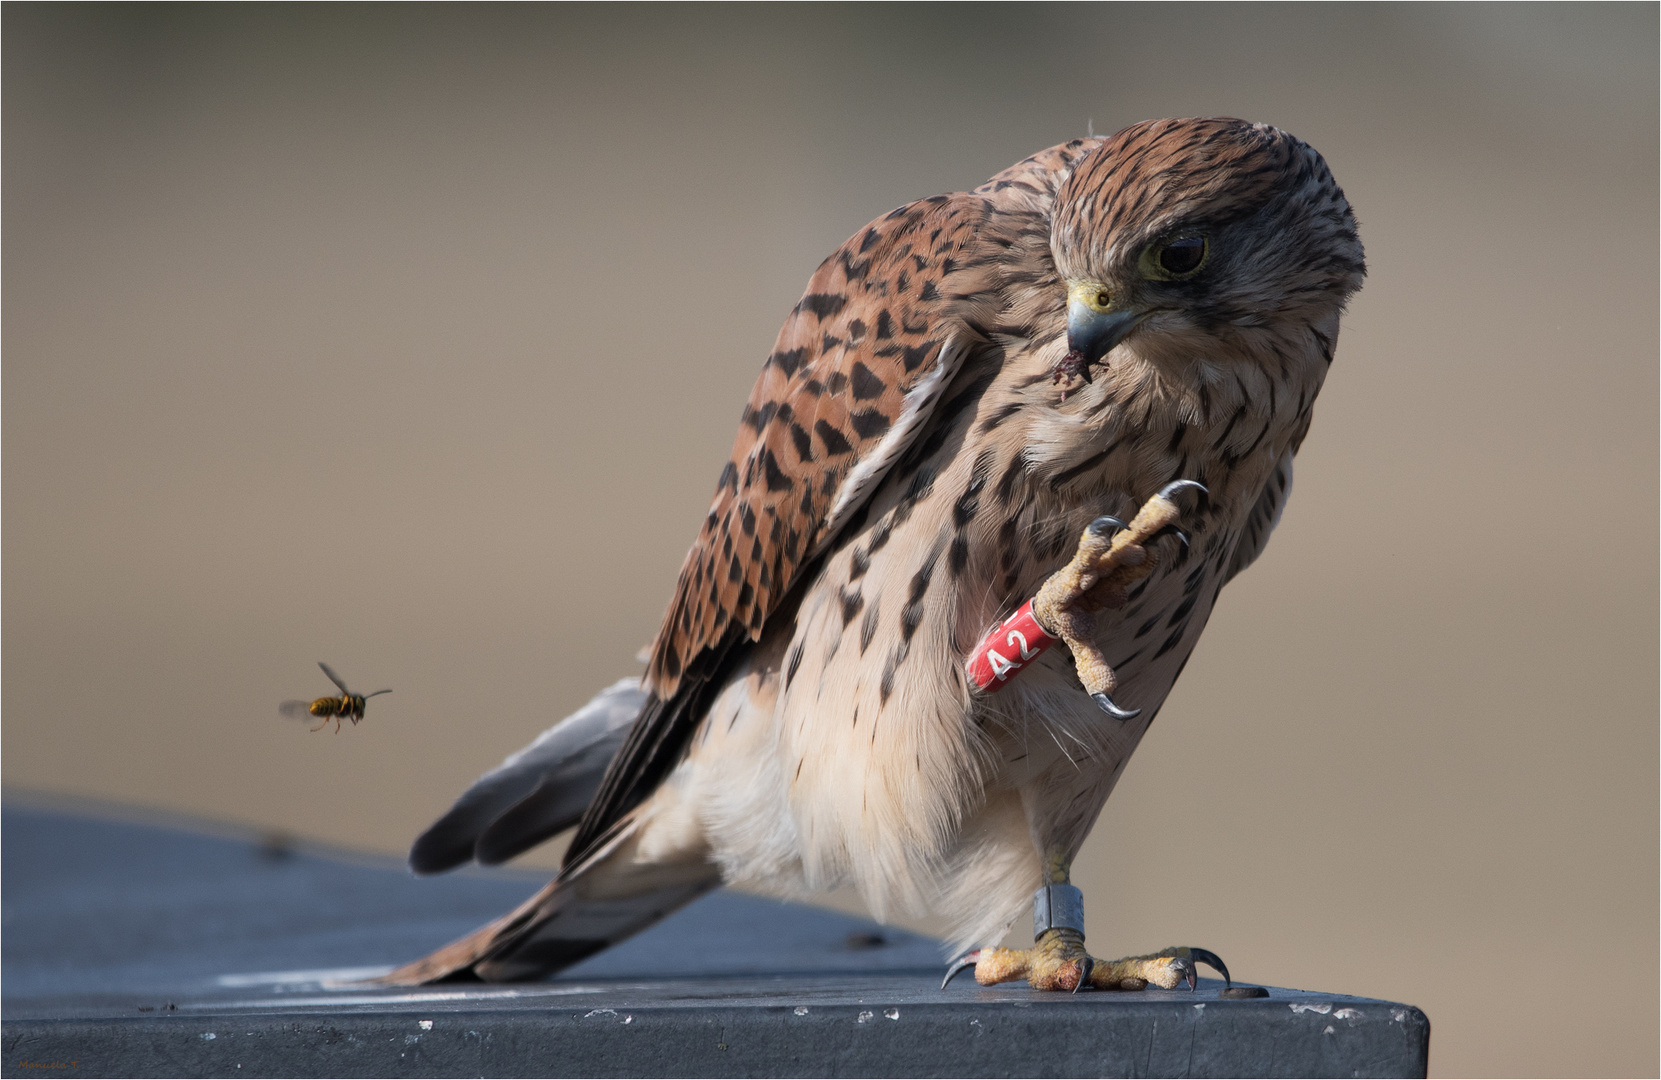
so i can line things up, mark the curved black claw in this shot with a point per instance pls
(1085, 967)
(1178, 487)
(965, 961)
(1113, 710)
(1171, 530)
(1186, 970)
(1106, 525)
(1210, 960)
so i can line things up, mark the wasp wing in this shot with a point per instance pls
(296, 710)
(330, 672)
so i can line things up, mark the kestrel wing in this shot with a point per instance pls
(853, 378)
(853, 381)
(329, 671)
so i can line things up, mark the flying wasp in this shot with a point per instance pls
(347, 706)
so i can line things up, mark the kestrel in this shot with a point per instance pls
(1081, 385)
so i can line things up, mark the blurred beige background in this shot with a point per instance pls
(413, 340)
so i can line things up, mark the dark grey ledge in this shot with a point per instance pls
(138, 950)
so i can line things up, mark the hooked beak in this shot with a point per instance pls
(1091, 332)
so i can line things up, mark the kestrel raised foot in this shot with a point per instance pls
(972, 393)
(1111, 557)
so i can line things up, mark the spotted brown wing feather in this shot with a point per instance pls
(862, 360)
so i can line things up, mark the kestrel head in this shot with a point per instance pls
(1212, 227)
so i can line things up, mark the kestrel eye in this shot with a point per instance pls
(1184, 256)
(1103, 300)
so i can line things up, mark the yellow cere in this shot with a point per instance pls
(1091, 294)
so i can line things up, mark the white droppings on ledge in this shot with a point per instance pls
(865, 1015)
(208, 1036)
(426, 1025)
(801, 1010)
(1399, 1015)
(1303, 1006)
(1347, 1014)
(1200, 1007)
(892, 1014)
(599, 1012)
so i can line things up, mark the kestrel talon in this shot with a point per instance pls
(1005, 453)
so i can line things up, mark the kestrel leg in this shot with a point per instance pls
(1111, 557)
(1058, 960)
